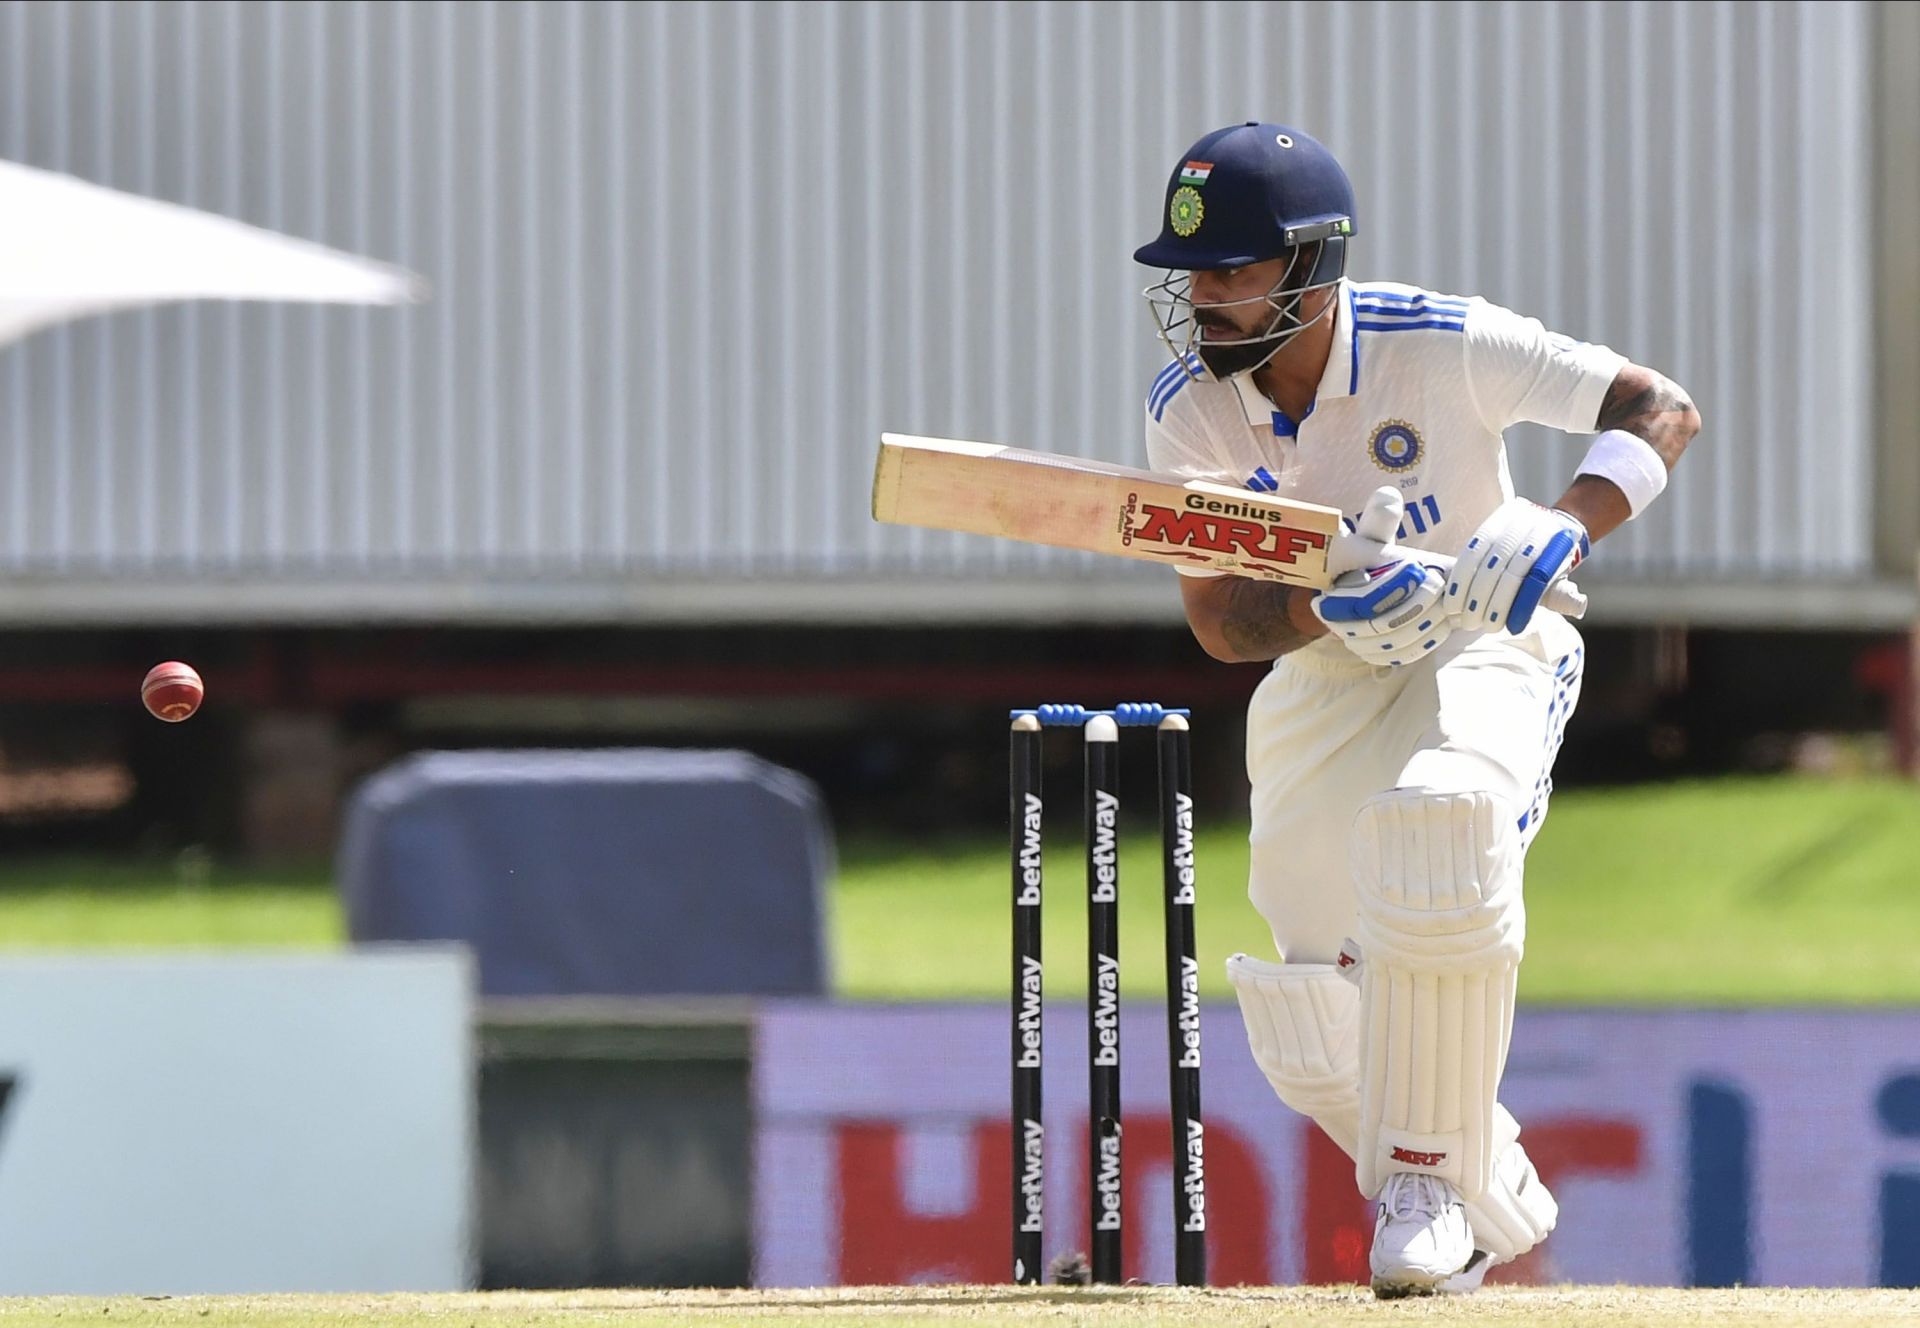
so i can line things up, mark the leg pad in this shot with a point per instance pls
(1437, 878)
(1303, 1027)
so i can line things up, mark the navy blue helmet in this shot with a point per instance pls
(1244, 195)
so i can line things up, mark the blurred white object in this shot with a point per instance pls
(70, 249)
(187, 1124)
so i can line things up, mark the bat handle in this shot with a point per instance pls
(1565, 598)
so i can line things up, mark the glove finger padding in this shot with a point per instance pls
(1486, 577)
(1509, 562)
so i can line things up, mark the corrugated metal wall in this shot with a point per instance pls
(690, 260)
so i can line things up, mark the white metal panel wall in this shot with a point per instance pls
(690, 259)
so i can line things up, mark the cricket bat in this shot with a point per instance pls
(1073, 503)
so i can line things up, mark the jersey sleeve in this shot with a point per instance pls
(1517, 370)
(1173, 450)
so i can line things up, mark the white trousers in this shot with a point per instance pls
(1326, 731)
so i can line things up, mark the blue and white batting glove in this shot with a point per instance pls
(1391, 613)
(1508, 564)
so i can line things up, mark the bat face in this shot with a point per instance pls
(1069, 502)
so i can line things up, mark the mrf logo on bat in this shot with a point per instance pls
(1249, 530)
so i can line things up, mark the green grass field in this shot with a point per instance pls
(1737, 891)
(986, 1307)
(1740, 891)
(83, 903)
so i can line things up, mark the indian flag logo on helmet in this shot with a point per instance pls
(1196, 172)
(1186, 211)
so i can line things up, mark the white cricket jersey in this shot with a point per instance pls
(1418, 390)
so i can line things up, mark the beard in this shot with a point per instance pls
(1223, 362)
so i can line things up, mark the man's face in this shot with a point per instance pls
(1247, 315)
(1231, 304)
(1238, 319)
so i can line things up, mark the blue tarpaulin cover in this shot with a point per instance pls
(621, 872)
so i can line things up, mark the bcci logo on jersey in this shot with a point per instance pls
(1395, 445)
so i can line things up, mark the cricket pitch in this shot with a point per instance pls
(1148, 1307)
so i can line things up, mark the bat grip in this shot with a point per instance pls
(1565, 598)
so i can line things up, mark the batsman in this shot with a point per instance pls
(1401, 747)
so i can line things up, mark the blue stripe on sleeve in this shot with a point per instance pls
(1167, 371)
(1167, 375)
(1167, 386)
(1406, 297)
(1160, 407)
(1444, 324)
(1164, 391)
(1408, 310)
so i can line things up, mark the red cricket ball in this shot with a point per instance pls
(172, 691)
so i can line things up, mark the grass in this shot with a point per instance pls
(1750, 891)
(99, 903)
(1735, 891)
(983, 1307)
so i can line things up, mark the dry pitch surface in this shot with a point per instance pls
(863, 1307)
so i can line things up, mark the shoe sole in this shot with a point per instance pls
(1397, 1290)
(1461, 1283)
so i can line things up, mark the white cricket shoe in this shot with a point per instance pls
(1468, 1279)
(1421, 1240)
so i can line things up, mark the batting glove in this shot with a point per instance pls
(1391, 613)
(1508, 564)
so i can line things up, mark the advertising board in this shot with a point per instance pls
(176, 1125)
(1685, 1147)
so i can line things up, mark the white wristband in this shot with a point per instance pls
(1631, 463)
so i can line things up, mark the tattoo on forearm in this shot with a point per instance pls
(1653, 407)
(1256, 624)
